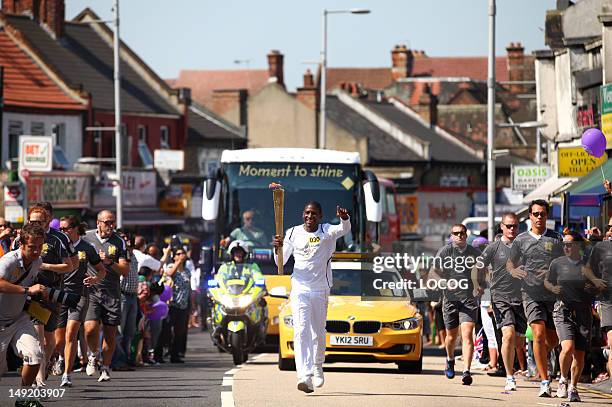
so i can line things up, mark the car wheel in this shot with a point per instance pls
(411, 367)
(285, 364)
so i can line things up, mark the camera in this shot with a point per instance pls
(61, 297)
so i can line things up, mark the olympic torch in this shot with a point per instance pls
(278, 194)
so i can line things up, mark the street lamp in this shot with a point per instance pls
(491, 125)
(322, 116)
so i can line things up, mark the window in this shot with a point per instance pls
(15, 130)
(59, 135)
(142, 134)
(37, 128)
(145, 155)
(209, 161)
(59, 158)
(164, 137)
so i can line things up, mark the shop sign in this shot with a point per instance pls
(139, 189)
(526, 178)
(606, 112)
(575, 162)
(62, 189)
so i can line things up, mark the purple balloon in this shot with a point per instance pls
(479, 241)
(55, 224)
(160, 310)
(594, 142)
(167, 294)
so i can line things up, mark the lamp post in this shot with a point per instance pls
(117, 75)
(491, 124)
(322, 115)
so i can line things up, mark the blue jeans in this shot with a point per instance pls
(127, 329)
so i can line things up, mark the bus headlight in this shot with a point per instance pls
(403, 324)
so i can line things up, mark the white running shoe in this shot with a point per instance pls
(40, 383)
(305, 385)
(104, 376)
(319, 379)
(65, 381)
(573, 395)
(562, 390)
(545, 390)
(510, 384)
(91, 366)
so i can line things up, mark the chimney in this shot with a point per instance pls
(516, 66)
(428, 106)
(49, 13)
(402, 61)
(275, 67)
(225, 102)
(308, 94)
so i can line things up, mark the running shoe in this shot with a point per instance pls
(573, 395)
(91, 366)
(562, 389)
(510, 384)
(545, 390)
(466, 378)
(450, 369)
(318, 379)
(305, 385)
(66, 382)
(104, 376)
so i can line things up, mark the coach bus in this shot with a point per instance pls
(238, 192)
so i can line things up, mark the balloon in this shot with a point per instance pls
(529, 333)
(167, 294)
(55, 224)
(479, 241)
(594, 142)
(160, 310)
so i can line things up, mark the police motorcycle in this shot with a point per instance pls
(239, 314)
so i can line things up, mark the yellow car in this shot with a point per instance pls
(273, 284)
(367, 320)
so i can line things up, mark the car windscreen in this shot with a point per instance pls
(367, 283)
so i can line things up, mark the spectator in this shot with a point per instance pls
(180, 274)
(6, 233)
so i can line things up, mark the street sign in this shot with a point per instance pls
(169, 159)
(62, 189)
(35, 154)
(575, 162)
(526, 178)
(606, 113)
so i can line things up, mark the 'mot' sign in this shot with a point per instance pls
(35, 153)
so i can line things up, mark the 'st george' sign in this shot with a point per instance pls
(35, 154)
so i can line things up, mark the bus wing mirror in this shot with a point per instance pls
(211, 195)
(373, 203)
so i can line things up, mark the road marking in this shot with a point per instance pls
(261, 355)
(227, 381)
(227, 399)
(232, 372)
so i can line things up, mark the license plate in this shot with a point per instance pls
(345, 340)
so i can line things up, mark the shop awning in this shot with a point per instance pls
(548, 188)
(592, 183)
(150, 217)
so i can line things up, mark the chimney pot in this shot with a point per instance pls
(275, 67)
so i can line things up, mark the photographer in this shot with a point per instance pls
(19, 270)
(70, 319)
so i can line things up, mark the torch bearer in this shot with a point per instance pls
(279, 210)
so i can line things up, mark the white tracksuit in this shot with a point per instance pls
(311, 282)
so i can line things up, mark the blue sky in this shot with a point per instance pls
(212, 34)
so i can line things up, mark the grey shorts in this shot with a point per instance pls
(574, 323)
(73, 314)
(458, 312)
(22, 337)
(509, 313)
(104, 307)
(539, 311)
(606, 315)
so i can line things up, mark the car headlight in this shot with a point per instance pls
(403, 324)
(288, 320)
(245, 301)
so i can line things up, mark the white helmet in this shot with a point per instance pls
(241, 244)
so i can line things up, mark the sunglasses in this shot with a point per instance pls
(608, 227)
(67, 228)
(458, 233)
(4, 225)
(108, 222)
(511, 225)
(180, 254)
(568, 245)
(539, 214)
(36, 222)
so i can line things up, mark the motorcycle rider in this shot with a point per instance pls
(238, 266)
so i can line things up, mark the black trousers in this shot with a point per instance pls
(179, 321)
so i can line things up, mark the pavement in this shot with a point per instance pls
(195, 383)
(260, 383)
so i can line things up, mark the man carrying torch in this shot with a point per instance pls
(312, 245)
